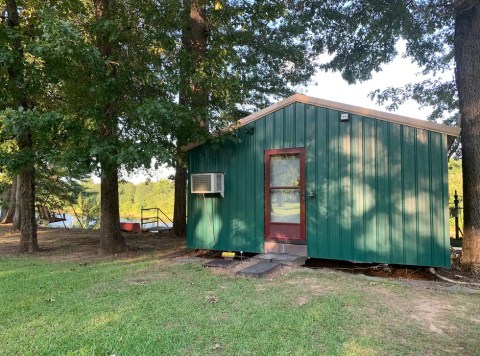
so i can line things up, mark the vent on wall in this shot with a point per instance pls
(205, 183)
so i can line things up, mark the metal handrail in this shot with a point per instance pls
(151, 219)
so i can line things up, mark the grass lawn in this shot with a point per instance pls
(147, 306)
(67, 300)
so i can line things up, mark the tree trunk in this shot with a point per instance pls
(111, 239)
(194, 41)
(6, 195)
(192, 96)
(15, 77)
(467, 54)
(18, 212)
(12, 203)
(180, 203)
(26, 202)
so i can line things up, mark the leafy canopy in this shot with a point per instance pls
(362, 35)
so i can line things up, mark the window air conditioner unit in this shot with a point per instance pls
(207, 183)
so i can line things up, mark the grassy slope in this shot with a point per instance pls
(150, 307)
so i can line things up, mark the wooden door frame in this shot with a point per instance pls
(278, 151)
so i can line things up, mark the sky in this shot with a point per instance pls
(152, 174)
(331, 86)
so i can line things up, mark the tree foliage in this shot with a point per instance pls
(79, 105)
(361, 36)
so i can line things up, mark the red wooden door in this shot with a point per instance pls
(285, 195)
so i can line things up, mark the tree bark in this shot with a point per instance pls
(467, 54)
(180, 205)
(17, 213)
(194, 41)
(12, 203)
(111, 240)
(6, 194)
(15, 83)
(192, 96)
(26, 201)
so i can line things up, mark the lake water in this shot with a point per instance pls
(71, 221)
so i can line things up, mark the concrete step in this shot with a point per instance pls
(278, 247)
(283, 258)
(259, 269)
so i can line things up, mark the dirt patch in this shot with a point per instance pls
(428, 308)
(76, 245)
(153, 273)
(231, 271)
(427, 303)
(302, 300)
(315, 286)
(146, 277)
(431, 313)
(373, 270)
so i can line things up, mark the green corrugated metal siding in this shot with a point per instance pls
(381, 188)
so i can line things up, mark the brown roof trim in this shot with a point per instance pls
(357, 110)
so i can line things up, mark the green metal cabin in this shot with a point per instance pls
(325, 180)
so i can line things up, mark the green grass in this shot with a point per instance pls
(152, 307)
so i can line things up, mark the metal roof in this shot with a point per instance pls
(450, 131)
